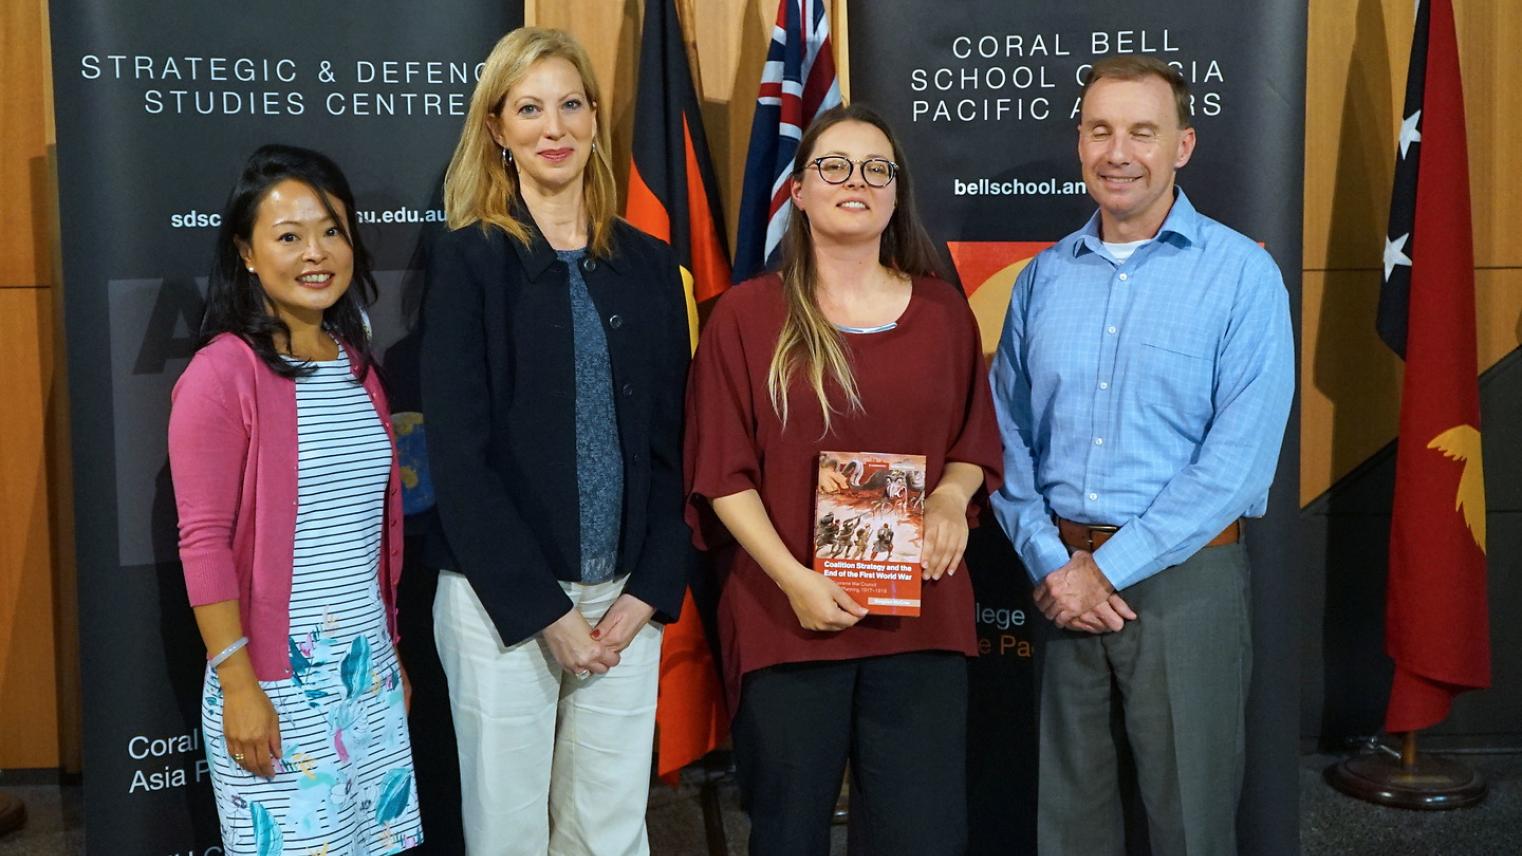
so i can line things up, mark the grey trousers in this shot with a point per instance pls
(1179, 675)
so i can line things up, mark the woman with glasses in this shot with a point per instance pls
(854, 345)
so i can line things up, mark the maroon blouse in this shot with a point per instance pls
(924, 390)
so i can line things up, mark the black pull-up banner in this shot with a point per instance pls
(984, 95)
(158, 106)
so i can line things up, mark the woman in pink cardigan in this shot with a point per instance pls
(287, 486)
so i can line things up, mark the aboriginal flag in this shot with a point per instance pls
(1436, 623)
(673, 196)
(672, 192)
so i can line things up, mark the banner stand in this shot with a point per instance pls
(157, 110)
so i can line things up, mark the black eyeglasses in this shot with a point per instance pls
(836, 169)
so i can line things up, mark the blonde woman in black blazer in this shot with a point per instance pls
(554, 357)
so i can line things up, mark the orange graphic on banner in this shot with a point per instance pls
(988, 270)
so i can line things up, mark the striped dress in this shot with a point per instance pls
(344, 783)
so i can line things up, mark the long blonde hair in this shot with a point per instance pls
(480, 188)
(808, 342)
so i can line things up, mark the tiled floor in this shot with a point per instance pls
(54, 822)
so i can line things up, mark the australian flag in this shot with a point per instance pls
(797, 84)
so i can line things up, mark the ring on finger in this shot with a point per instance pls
(584, 673)
(237, 756)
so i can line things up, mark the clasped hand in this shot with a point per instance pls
(580, 648)
(1077, 596)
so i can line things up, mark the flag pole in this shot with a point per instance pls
(1408, 752)
(840, 32)
(1407, 778)
(686, 18)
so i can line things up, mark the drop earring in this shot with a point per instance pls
(507, 157)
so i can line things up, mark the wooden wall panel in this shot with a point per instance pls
(1489, 33)
(1352, 51)
(1498, 309)
(733, 37)
(1356, 60)
(1350, 382)
(24, 240)
(28, 679)
(38, 649)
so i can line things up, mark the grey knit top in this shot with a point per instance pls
(599, 461)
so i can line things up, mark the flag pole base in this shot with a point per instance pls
(1409, 779)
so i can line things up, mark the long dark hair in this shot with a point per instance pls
(808, 342)
(236, 302)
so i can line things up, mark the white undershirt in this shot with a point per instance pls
(1121, 252)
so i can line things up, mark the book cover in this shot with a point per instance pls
(869, 527)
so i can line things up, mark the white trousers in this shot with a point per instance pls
(549, 763)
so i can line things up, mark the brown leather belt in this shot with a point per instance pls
(1089, 536)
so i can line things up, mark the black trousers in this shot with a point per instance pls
(900, 719)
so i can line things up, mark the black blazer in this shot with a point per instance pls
(499, 393)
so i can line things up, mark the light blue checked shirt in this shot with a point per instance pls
(1151, 394)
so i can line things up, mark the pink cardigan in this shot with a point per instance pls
(233, 458)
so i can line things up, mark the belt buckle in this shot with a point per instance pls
(1090, 529)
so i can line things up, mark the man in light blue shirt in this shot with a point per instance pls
(1142, 385)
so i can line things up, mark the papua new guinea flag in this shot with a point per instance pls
(1436, 624)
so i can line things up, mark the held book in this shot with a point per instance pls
(869, 527)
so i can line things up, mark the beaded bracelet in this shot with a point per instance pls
(227, 652)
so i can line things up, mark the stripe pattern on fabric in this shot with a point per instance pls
(344, 783)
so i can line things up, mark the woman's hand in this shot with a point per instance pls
(250, 728)
(622, 622)
(819, 603)
(571, 644)
(946, 518)
(945, 533)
